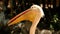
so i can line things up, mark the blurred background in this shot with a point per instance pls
(10, 8)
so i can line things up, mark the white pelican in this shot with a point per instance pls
(34, 14)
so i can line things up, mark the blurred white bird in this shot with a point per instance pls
(46, 32)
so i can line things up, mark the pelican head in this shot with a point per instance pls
(36, 7)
